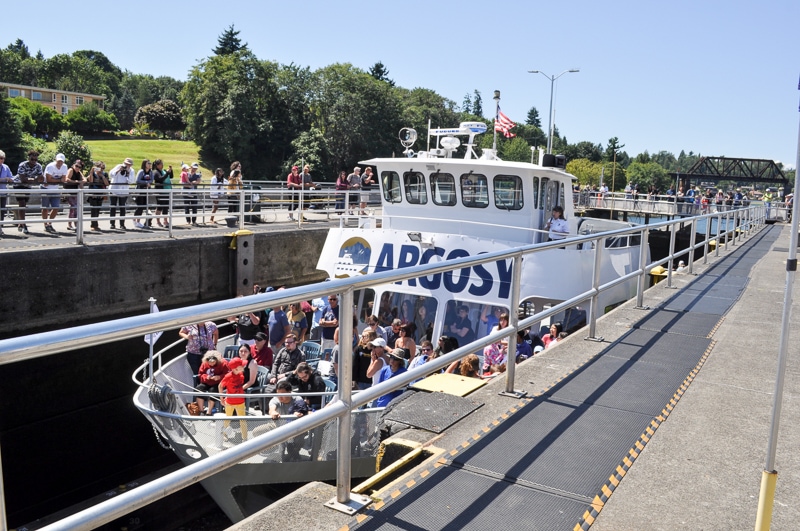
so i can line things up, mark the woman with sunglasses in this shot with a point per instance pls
(73, 181)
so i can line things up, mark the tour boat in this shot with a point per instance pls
(447, 202)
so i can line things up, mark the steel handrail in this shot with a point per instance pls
(18, 349)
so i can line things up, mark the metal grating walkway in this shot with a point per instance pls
(551, 462)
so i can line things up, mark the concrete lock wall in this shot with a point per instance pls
(52, 288)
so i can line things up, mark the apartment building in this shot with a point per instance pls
(62, 101)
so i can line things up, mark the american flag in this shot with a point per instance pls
(503, 124)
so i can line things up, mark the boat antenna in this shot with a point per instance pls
(496, 116)
(428, 148)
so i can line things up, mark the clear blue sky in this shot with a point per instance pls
(715, 77)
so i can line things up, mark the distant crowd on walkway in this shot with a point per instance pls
(123, 183)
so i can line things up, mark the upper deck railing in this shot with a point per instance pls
(738, 224)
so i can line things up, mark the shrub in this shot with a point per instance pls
(73, 147)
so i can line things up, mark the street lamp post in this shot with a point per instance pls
(552, 82)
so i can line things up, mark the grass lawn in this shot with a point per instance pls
(172, 152)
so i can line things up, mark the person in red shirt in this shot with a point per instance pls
(212, 369)
(232, 384)
(261, 351)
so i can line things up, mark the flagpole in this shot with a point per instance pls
(496, 116)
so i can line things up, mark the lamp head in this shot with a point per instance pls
(496, 95)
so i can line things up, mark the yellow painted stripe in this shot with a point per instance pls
(614, 481)
(411, 483)
(606, 491)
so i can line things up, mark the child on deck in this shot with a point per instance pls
(232, 384)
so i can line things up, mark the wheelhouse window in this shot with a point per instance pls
(474, 190)
(390, 182)
(508, 192)
(443, 189)
(416, 193)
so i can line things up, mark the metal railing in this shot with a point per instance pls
(730, 226)
(256, 202)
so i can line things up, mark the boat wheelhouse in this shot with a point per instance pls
(436, 206)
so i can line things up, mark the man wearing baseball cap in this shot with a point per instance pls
(120, 177)
(54, 175)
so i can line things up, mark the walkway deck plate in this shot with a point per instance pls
(453, 384)
(695, 303)
(675, 322)
(431, 411)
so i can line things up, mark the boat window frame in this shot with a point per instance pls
(414, 193)
(482, 186)
(518, 200)
(436, 191)
(391, 193)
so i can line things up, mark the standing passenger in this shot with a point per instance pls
(294, 183)
(97, 181)
(162, 181)
(354, 182)
(6, 178)
(143, 181)
(73, 181)
(218, 182)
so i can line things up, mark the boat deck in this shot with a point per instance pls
(592, 448)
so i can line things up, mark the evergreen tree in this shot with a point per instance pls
(533, 118)
(229, 43)
(477, 104)
(466, 106)
(381, 73)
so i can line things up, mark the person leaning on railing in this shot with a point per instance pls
(97, 181)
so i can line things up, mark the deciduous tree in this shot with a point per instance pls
(163, 116)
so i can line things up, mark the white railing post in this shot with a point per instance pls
(593, 309)
(733, 243)
(79, 218)
(692, 242)
(170, 210)
(642, 266)
(671, 263)
(705, 241)
(241, 208)
(513, 321)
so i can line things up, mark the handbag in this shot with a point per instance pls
(193, 409)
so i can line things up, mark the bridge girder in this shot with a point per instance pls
(734, 169)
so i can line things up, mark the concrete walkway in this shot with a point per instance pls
(702, 467)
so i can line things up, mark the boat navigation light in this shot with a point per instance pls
(415, 237)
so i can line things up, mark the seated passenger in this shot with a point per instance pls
(524, 350)
(282, 406)
(552, 337)
(462, 326)
(308, 380)
(470, 366)
(493, 355)
(212, 369)
(287, 405)
(286, 361)
(261, 351)
(396, 367)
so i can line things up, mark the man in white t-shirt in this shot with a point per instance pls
(54, 176)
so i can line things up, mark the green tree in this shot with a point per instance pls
(533, 118)
(229, 42)
(10, 134)
(477, 104)
(466, 105)
(43, 119)
(515, 149)
(73, 147)
(163, 116)
(647, 174)
(381, 73)
(358, 116)
(230, 103)
(88, 118)
(421, 105)
(124, 108)
(587, 172)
